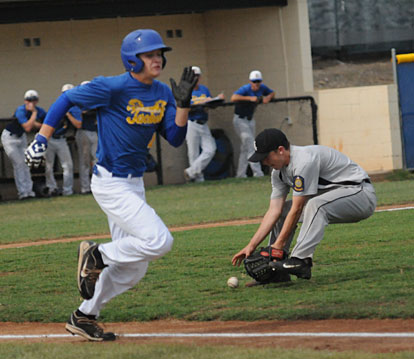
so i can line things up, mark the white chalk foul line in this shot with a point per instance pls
(228, 335)
(393, 209)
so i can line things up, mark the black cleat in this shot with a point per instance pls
(301, 268)
(87, 328)
(90, 266)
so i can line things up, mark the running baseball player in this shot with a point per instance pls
(131, 107)
(26, 118)
(327, 188)
(247, 98)
(201, 144)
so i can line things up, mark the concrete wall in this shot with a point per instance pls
(226, 44)
(362, 122)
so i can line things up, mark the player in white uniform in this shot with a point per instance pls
(130, 108)
(26, 118)
(199, 134)
(327, 186)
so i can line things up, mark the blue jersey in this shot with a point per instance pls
(128, 114)
(63, 124)
(247, 109)
(89, 121)
(198, 96)
(22, 116)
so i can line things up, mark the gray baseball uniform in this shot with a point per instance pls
(340, 191)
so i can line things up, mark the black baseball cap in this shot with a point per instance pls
(266, 141)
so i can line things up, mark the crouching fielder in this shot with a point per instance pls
(131, 107)
(328, 187)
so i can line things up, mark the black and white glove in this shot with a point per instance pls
(35, 152)
(182, 91)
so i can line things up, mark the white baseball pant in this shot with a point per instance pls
(59, 147)
(14, 147)
(246, 130)
(199, 136)
(87, 142)
(138, 237)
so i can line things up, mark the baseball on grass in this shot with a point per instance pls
(233, 282)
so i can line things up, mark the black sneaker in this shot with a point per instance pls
(87, 328)
(301, 268)
(90, 266)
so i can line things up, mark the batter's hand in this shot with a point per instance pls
(182, 91)
(35, 152)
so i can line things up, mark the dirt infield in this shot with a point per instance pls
(368, 344)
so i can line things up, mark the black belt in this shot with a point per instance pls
(200, 122)
(324, 182)
(248, 118)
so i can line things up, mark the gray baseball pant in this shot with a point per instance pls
(339, 205)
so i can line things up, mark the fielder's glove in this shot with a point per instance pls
(257, 266)
(35, 152)
(182, 91)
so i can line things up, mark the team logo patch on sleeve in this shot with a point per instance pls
(298, 184)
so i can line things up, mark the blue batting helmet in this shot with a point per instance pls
(138, 42)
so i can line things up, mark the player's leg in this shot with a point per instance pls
(138, 236)
(279, 225)
(66, 162)
(242, 129)
(208, 149)
(123, 201)
(49, 166)
(83, 160)
(14, 148)
(255, 166)
(193, 149)
(342, 205)
(114, 280)
(93, 145)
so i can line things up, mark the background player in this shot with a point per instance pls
(327, 188)
(26, 118)
(247, 98)
(130, 108)
(201, 145)
(58, 147)
(87, 142)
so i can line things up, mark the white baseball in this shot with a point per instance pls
(233, 282)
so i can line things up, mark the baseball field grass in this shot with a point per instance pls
(362, 270)
(176, 204)
(177, 351)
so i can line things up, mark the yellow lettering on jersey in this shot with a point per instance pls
(198, 99)
(146, 115)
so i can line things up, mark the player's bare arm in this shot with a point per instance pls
(292, 219)
(46, 131)
(181, 116)
(75, 122)
(237, 97)
(269, 97)
(30, 124)
(270, 218)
